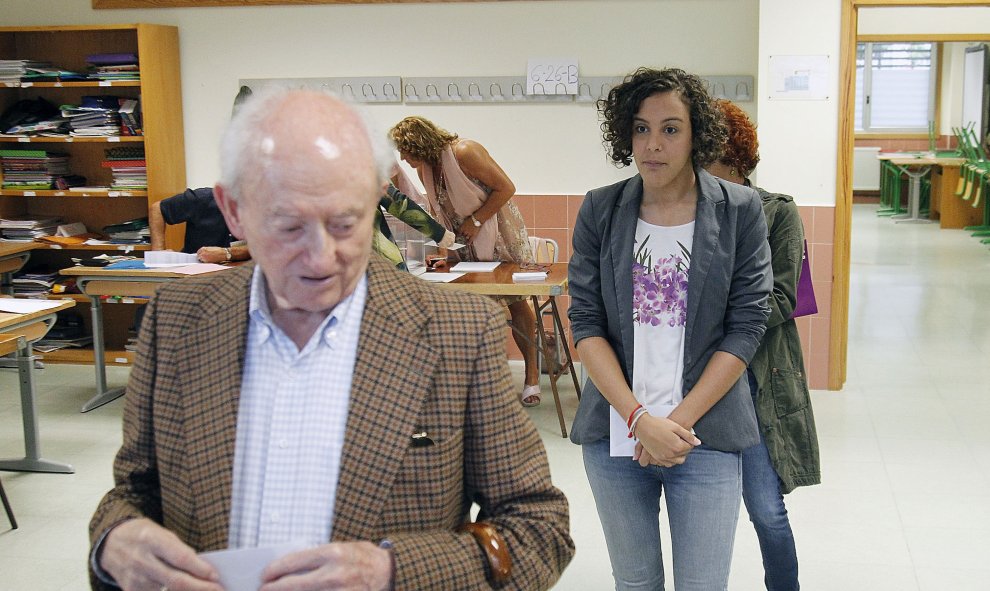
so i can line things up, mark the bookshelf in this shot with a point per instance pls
(160, 94)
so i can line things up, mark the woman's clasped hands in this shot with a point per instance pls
(662, 442)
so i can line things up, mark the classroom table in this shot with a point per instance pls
(28, 328)
(13, 255)
(96, 282)
(916, 167)
(499, 282)
(99, 282)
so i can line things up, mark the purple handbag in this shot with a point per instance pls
(805, 304)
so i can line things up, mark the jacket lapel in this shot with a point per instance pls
(621, 246)
(386, 398)
(212, 410)
(711, 202)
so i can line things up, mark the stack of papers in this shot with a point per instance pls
(529, 276)
(168, 258)
(27, 228)
(12, 70)
(470, 267)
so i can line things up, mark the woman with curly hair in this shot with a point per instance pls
(469, 193)
(668, 279)
(787, 455)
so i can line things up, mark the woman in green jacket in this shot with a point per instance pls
(787, 455)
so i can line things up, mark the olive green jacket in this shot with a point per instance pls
(783, 405)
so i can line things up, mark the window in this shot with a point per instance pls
(897, 92)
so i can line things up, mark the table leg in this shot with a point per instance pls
(914, 201)
(553, 372)
(32, 460)
(103, 395)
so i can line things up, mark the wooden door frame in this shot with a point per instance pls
(839, 327)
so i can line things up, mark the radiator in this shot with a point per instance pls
(866, 169)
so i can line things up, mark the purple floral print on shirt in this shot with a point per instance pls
(660, 290)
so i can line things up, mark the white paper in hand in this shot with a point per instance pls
(240, 569)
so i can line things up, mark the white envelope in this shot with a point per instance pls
(620, 444)
(240, 569)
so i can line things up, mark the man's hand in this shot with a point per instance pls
(448, 239)
(338, 566)
(212, 254)
(662, 442)
(144, 556)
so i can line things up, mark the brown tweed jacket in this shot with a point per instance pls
(428, 360)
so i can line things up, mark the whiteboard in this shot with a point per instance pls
(974, 106)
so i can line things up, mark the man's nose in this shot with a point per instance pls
(321, 246)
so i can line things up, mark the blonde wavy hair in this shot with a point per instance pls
(421, 138)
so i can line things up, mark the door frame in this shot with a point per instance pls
(839, 324)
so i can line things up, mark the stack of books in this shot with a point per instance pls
(113, 66)
(68, 331)
(12, 70)
(35, 284)
(130, 116)
(26, 170)
(128, 167)
(97, 116)
(134, 231)
(27, 228)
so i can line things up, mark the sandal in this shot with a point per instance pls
(530, 395)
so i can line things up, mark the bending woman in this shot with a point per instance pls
(669, 278)
(470, 194)
(787, 455)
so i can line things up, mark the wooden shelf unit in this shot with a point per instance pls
(160, 93)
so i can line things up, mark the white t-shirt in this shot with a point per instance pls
(661, 260)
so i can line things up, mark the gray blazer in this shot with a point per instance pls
(728, 284)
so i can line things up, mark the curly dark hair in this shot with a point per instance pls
(741, 150)
(708, 132)
(421, 138)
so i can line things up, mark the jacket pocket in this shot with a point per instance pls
(790, 391)
(430, 483)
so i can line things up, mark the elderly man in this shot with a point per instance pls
(322, 397)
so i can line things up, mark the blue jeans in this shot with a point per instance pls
(765, 504)
(702, 497)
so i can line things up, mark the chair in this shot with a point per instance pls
(6, 506)
(8, 344)
(545, 251)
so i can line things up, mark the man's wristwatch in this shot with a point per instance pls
(226, 253)
(475, 221)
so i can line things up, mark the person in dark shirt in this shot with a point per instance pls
(207, 235)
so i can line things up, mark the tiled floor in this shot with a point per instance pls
(905, 503)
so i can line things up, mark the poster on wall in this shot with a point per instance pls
(798, 77)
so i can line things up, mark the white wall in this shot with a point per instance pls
(545, 148)
(924, 21)
(799, 138)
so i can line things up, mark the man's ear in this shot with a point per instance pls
(230, 210)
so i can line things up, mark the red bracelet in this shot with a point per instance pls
(632, 415)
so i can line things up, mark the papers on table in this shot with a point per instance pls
(454, 246)
(168, 258)
(240, 569)
(199, 268)
(441, 277)
(26, 306)
(529, 276)
(468, 267)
